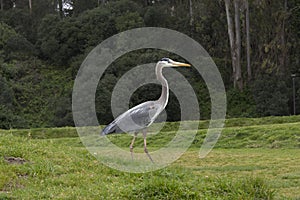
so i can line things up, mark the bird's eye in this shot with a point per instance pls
(165, 59)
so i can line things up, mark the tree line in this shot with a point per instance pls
(43, 42)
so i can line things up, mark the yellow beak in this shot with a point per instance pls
(179, 64)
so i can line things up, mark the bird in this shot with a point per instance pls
(139, 117)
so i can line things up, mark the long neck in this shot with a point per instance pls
(164, 97)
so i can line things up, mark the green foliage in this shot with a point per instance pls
(60, 41)
(129, 21)
(32, 41)
(13, 45)
(82, 5)
(121, 7)
(62, 112)
(294, 42)
(19, 48)
(27, 99)
(240, 103)
(156, 16)
(95, 26)
(271, 96)
(6, 32)
(6, 118)
(21, 21)
(6, 99)
(57, 39)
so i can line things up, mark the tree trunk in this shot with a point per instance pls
(248, 47)
(238, 45)
(234, 34)
(2, 6)
(231, 38)
(191, 13)
(30, 6)
(283, 55)
(146, 2)
(60, 5)
(101, 2)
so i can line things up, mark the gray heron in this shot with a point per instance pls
(143, 115)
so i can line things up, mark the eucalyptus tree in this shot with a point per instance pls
(234, 34)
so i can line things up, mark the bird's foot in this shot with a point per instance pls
(131, 152)
(146, 151)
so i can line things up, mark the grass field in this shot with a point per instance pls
(253, 159)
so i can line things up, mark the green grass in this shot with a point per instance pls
(252, 160)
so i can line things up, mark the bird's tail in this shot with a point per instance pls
(110, 129)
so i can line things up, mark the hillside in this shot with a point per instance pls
(42, 49)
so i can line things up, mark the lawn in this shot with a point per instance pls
(254, 159)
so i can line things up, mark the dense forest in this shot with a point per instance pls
(254, 43)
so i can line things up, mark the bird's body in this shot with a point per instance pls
(135, 119)
(143, 115)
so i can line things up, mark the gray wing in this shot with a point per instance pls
(135, 119)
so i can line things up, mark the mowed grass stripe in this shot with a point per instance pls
(43, 133)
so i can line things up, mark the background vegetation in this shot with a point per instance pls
(43, 42)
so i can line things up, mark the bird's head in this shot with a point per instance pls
(167, 62)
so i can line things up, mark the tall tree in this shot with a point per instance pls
(238, 44)
(147, 2)
(283, 47)
(234, 34)
(248, 47)
(191, 12)
(6, 4)
(30, 6)
(60, 8)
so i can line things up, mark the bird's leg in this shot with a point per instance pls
(131, 145)
(145, 144)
